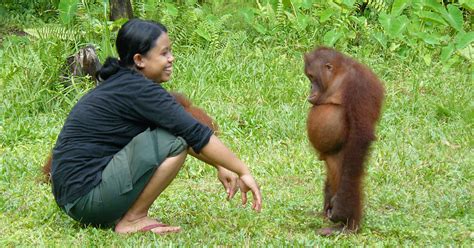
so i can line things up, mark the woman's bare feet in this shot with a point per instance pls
(143, 224)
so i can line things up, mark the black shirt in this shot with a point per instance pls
(105, 120)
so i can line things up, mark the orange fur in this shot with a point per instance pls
(347, 99)
(196, 112)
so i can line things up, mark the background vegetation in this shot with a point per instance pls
(242, 62)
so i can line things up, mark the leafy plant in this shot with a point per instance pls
(429, 22)
(52, 32)
(252, 82)
(67, 11)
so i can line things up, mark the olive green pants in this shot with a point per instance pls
(125, 177)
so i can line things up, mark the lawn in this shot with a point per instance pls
(419, 178)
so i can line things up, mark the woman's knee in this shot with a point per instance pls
(172, 163)
(179, 159)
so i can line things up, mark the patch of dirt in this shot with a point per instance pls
(8, 31)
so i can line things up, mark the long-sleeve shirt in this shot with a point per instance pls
(105, 120)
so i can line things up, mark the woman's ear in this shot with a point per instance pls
(138, 60)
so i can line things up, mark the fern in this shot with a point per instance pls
(280, 13)
(82, 11)
(214, 31)
(265, 11)
(217, 30)
(375, 5)
(179, 34)
(146, 9)
(51, 32)
(138, 9)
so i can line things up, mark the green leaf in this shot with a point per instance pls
(260, 28)
(190, 2)
(431, 39)
(201, 31)
(306, 4)
(67, 10)
(467, 4)
(436, 6)
(398, 6)
(302, 21)
(394, 46)
(331, 37)
(381, 39)
(394, 26)
(248, 14)
(446, 52)
(427, 59)
(468, 53)
(326, 14)
(415, 25)
(360, 20)
(348, 4)
(171, 9)
(463, 40)
(351, 35)
(3, 11)
(454, 17)
(431, 16)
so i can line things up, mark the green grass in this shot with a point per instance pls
(419, 178)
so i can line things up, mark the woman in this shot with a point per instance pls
(125, 141)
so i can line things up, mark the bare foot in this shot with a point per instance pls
(144, 224)
(163, 229)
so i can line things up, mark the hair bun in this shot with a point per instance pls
(110, 67)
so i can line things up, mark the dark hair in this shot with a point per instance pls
(135, 36)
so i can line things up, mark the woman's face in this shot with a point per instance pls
(157, 64)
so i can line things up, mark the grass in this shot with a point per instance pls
(419, 178)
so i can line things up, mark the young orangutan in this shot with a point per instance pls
(347, 99)
(196, 112)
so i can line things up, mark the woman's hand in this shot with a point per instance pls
(247, 183)
(216, 153)
(229, 180)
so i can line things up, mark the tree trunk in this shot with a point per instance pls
(120, 9)
(84, 63)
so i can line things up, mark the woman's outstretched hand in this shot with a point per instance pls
(216, 153)
(230, 181)
(247, 183)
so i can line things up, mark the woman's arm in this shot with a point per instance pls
(216, 153)
(229, 179)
